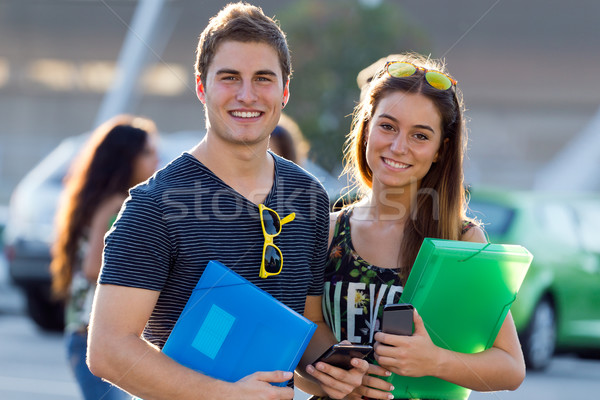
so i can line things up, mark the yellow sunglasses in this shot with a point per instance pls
(402, 69)
(272, 259)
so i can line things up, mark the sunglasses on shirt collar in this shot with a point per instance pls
(272, 259)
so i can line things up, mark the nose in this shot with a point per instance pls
(399, 144)
(246, 93)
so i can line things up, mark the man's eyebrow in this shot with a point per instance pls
(227, 71)
(265, 72)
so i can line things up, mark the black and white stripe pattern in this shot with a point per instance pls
(185, 216)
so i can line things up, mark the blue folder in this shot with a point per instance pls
(230, 328)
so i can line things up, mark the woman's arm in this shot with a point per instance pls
(92, 260)
(332, 221)
(500, 367)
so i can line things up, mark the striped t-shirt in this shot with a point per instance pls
(185, 216)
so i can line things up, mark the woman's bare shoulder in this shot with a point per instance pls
(474, 234)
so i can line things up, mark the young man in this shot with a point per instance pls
(204, 206)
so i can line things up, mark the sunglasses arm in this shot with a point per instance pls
(289, 218)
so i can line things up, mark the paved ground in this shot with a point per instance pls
(11, 301)
(33, 366)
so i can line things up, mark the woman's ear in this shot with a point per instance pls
(200, 90)
(366, 133)
(437, 155)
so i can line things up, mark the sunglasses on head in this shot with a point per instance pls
(272, 259)
(402, 69)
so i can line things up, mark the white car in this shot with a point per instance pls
(29, 228)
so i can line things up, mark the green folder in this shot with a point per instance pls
(463, 291)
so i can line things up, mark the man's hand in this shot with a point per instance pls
(258, 386)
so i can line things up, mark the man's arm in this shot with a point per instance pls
(117, 353)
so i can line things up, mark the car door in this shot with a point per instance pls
(586, 320)
(563, 256)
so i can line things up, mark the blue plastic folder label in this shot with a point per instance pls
(213, 332)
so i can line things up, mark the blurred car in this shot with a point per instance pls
(3, 218)
(29, 228)
(558, 305)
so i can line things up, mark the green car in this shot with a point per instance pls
(558, 305)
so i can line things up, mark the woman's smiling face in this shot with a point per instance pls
(404, 137)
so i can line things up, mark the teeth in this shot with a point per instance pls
(245, 114)
(395, 164)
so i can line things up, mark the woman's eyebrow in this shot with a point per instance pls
(418, 126)
(426, 127)
(388, 116)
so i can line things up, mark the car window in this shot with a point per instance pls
(495, 217)
(559, 221)
(589, 220)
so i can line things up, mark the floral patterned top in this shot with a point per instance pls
(356, 291)
(81, 292)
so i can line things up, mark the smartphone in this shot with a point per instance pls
(340, 355)
(398, 319)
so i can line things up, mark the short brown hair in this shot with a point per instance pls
(241, 22)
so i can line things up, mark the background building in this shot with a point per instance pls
(528, 70)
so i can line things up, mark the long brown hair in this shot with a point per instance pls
(440, 205)
(103, 168)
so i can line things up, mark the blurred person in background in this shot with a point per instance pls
(288, 141)
(405, 151)
(119, 154)
(366, 75)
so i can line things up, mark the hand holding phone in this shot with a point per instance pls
(339, 355)
(398, 319)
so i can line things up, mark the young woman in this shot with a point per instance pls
(119, 154)
(405, 150)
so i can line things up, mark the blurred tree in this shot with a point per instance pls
(331, 41)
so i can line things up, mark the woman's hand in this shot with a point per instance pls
(338, 383)
(414, 355)
(372, 386)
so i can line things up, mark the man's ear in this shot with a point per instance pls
(286, 93)
(200, 90)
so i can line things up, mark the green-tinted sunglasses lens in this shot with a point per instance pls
(438, 80)
(401, 69)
